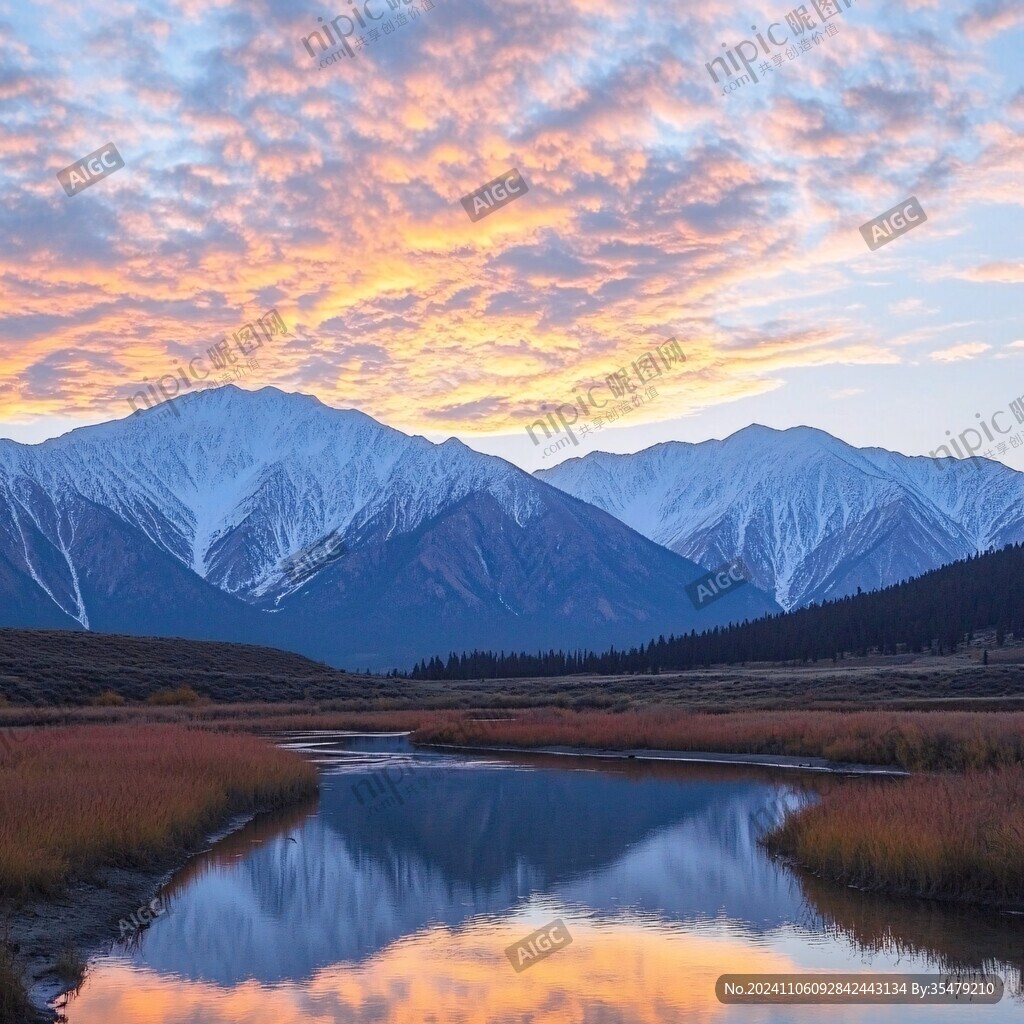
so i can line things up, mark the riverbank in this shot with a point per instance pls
(947, 837)
(123, 807)
(805, 764)
(46, 934)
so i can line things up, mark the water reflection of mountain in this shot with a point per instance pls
(297, 892)
(564, 823)
(468, 842)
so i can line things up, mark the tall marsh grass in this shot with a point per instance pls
(73, 799)
(936, 836)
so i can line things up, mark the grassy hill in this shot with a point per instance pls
(43, 667)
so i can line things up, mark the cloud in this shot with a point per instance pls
(958, 353)
(991, 18)
(910, 307)
(657, 207)
(1004, 273)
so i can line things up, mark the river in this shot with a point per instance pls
(394, 896)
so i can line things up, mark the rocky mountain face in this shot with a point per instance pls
(271, 518)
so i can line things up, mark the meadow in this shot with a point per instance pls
(46, 669)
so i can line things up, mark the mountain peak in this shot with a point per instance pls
(812, 516)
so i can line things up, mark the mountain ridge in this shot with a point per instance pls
(812, 516)
(184, 521)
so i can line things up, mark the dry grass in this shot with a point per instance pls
(245, 717)
(917, 740)
(193, 769)
(936, 836)
(74, 799)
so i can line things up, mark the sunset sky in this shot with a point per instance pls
(658, 207)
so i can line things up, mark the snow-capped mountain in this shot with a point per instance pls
(812, 517)
(189, 520)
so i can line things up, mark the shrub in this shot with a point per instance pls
(107, 699)
(177, 695)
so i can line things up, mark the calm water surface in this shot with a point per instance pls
(392, 898)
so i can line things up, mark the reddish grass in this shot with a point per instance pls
(937, 836)
(918, 740)
(244, 717)
(356, 721)
(75, 798)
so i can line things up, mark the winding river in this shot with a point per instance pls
(394, 896)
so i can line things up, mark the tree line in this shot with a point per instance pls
(935, 612)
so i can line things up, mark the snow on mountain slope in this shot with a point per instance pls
(238, 481)
(185, 522)
(812, 517)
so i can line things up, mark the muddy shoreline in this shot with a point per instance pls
(86, 917)
(806, 764)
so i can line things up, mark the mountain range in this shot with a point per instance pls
(811, 517)
(186, 521)
(190, 520)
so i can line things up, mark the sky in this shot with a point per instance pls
(660, 205)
